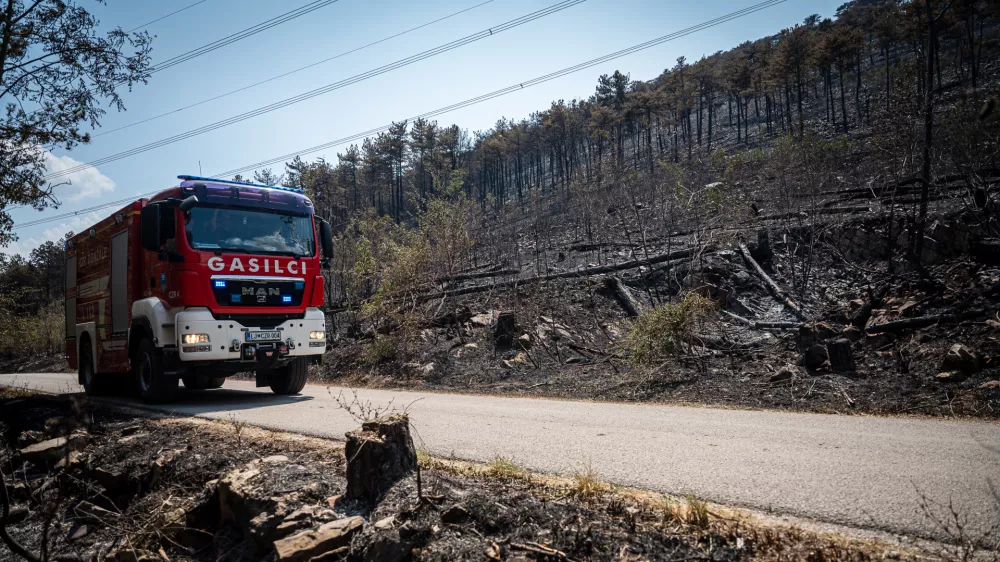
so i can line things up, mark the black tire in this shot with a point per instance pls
(153, 385)
(291, 378)
(203, 382)
(93, 383)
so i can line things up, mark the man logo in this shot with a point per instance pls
(261, 293)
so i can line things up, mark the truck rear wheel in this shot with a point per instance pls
(291, 378)
(155, 387)
(93, 383)
(203, 382)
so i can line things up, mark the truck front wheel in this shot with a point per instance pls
(155, 387)
(291, 378)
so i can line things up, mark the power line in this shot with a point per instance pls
(240, 35)
(167, 16)
(325, 89)
(317, 63)
(472, 101)
(520, 85)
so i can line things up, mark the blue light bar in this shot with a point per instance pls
(299, 285)
(231, 182)
(220, 284)
(286, 298)
(235, 298)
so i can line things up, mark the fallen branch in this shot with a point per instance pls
(11, 543)
(923, 321)
(588, 272)
(624, 296)
(482, 275)
(762, 325)
(771, 285)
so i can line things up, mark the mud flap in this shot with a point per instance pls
(261, 377)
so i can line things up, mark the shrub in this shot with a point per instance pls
(381, 350)
(667, 330)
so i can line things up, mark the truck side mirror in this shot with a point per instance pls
(326, 241)
(149, 227)
(188, 203)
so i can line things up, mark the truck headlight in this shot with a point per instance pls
(194, 338)
(317, 335)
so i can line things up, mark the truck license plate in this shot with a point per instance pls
(263, 336)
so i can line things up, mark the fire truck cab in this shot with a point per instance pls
(202, 281)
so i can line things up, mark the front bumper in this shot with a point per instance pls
(222, 334)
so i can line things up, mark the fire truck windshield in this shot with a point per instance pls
(250, 231)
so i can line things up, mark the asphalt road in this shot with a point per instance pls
(858, 471)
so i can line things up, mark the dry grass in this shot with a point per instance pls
(504, 468)
(587, 485)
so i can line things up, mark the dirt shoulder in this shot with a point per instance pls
(179, 489)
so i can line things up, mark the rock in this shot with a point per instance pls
(48, 453)
(335, 555)
(577, 360)
(990, 385)
(852, 333)
(961, 358)
(76, 531)
(17, 514)
(786, 373)
(110, 481)
(506, 330)
(309, 544)
(236, 494)
(950, 376)
(386, 522)
(378, 455)
(524, 341)
(482, 320)
(840, 356)
(29, 437)
(455, 514)
(816, 357)
(86, 512)
(274, 459)
(854, 306)
(908, 309)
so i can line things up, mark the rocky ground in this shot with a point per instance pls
(107, 485)
(866, 340)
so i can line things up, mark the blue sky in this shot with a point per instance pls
(568, 37)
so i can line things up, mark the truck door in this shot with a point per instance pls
(119, 284)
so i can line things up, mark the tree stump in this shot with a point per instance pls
(762, 251)
(841, 358)
(378, 456)
(506, 330)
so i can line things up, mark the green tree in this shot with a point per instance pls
(56, 75)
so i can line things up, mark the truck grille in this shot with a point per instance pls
(258, 292)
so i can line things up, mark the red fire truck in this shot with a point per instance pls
(202, 281)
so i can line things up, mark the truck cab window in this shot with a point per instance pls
(252, 231)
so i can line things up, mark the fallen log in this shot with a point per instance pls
(588, 272)
(624, 296)
(482, 275)
(923, 321)
(763, 325)
(776, 291)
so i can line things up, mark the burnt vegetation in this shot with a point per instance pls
(829, 192)
(84, 482)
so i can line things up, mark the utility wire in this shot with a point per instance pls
(148, 23)
(240, 35)
(300, 69)
(325, 89)
(472, 101)
(520, 85)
